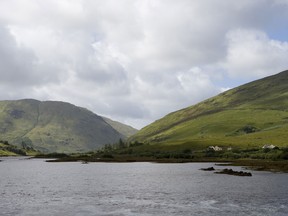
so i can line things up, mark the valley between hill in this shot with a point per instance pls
(246, 125)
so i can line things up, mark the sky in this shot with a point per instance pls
(135, 61)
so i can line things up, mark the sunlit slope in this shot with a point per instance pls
(54, 126)
(252, 114)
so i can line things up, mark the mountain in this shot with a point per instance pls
(124, 129)
(250, 115)
(52, 126)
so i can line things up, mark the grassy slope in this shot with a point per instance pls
(5, 152)
(262, 104)
(11, 150)
(54, 126)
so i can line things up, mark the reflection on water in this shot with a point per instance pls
(34, 187)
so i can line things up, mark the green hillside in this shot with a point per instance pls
(7, 149)
(54, 126)
(251, 115)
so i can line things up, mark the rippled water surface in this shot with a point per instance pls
(35, 187)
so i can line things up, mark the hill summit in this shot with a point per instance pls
(52, 126)
(253, 114)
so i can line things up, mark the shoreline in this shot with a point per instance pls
(257, 165)
(252, 164)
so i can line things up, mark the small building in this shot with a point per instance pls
(267, 146)
(215, 148)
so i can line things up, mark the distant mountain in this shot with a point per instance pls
(52, 126)
(253, 114)
(124, 129)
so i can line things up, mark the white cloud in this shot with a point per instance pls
(137, 60)
(252, 53)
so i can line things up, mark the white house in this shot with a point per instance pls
(215, 148)
(267, 146)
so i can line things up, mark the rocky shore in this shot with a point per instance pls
(232, 172)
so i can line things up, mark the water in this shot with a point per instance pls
(35, 187)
